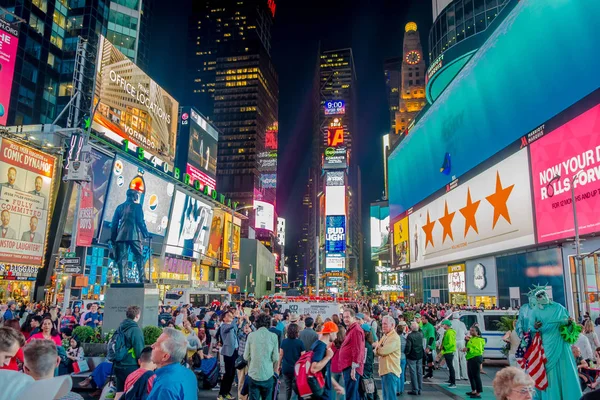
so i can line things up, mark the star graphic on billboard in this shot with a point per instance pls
(428, 229)
(498, 201)
(469, 212)
(446, 222)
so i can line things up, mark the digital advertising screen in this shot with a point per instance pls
(380, 233)
(189, 232)
(335, 234)
(265, 215)
(572, 149)
(456, 279)
(267, 161)
(9, 43)
(335, 136)
(133, 107)
(155, 196)
(93, 197)
(335, 158)
(335, 178)
(335, 107)
(231, 238)
(335, 263)
(268, 181)
(335, 200)
(216, 237)
(401, 241)
(202, 152)
(26, 189)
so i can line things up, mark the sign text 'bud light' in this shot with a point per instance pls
(335, 235)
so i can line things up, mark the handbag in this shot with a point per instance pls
(367, 385)
(80, 366)
(240, 363)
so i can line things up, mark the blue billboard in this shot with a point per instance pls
(525, 73)
(335, 234)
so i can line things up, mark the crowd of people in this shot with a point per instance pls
(257, 347)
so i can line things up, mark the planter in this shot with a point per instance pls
(95, 349)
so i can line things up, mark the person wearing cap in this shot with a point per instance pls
(388, 350)
(321, 359)
(460, 362)
(414, 358)
(352, 355)
(360, 318)
(429, 335)
(448, 349)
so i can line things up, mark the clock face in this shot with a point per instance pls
(413, 57)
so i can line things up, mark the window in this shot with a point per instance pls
(418, 82)
(51, 60)
(490, 322)
(41, 4)
(410, 82)
(29, 72)
(469, 320)
(36, 24)
(56, 40)
(410, 74)
(32, 47)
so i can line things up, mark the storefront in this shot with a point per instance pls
(482, 285)
(457, 287)
(17, 282)
(435, 285)
(590, 265)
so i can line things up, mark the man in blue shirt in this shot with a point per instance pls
(173, 380)
(11, 313)
(93, 318)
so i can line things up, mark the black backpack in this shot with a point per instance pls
(139, 389)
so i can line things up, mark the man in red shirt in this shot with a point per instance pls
(142, 379)
(352, 355)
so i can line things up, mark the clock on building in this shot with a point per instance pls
(413, 57)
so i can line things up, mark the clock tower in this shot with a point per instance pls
(412, 88)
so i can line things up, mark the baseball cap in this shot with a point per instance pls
(366, 327)
(447, 322)
(329, 327)
(360, 316)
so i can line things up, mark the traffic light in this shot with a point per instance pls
(86, 122)
(233, 275)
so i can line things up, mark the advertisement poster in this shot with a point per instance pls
(265, 215)
(486, 214)
(9, 42)
(85, 220)
(335, 200)
(335, 158)
(100, 171)
(189, 231)
(380, 233)
(401, 242)
(573, 148)
(216, 236)
(155, 196)
(202, 154)
(456, 279)
(133, 107)
(335, 263)
(26, 179)
(335, 235)
(235, 241)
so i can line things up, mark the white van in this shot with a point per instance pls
(488, 324)
(197, 297)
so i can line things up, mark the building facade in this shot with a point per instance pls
(392, 69)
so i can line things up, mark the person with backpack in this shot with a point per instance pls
(139, 383)
(125, 347)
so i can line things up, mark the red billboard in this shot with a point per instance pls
(9, 42)
(570, 153)
(335, 136)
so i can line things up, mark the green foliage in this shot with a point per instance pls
(409, 316)
(151, 334)
(84, 333)
(506, 323)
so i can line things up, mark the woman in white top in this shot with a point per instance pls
(586, 348)
(590, 334)
(513, 340)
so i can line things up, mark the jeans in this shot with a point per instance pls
(260, 389)
(288, 379)
(473, 365)
(351, 385)
(415, 368)
(333, 395)
(121, 374)
(389, 384)
(449, 362)
(241, 375)
(229, 375)
(402, 376)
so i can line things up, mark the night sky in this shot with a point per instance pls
(373, 29)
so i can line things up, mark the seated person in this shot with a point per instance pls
(582, 367)
(139, 383)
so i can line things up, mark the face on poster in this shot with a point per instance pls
(380, 233)
(100, 172)
(189, 231)
(216, 235)
(456, 279)
(570, 150)
(156, 196)
(265, 215)
(9, 43)
(26, 179)
(486, 214)
(231, 238)
(401, 242)
(202, 155)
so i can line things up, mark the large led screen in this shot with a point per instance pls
(571, 149)
(265, 215)
(216, 237)
(477, 115)
(401, 235)
(26, 180)
(189, 231)
(486, 214)
(335, 200)
(155, 196)
(202, 153)
(380, 232)
(9, 43)
(335, 235)
(231, 241)
(132, 106)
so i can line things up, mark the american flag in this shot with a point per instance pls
(532, 359)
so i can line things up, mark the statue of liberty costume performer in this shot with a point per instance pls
(547, 317)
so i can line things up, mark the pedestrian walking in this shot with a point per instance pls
(291, 349)
(352, 355)
(388, 350)
(308, 334)
(321, 360)
(262, 355)
(474, 355)
(448, 349)
(428, 330)
(414, 358)
(228, 336)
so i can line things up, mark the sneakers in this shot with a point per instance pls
(452, 386)
(226, 397)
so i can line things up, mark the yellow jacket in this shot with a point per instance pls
(389, 354)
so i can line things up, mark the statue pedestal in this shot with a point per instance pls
(120, 296)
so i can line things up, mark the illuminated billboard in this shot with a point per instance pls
(335, 178)
(231, 238)
(268, 181)
(267, 161)
(26, 190)
(380, 232)
(335, 235)
(335, 263)
(335, 136)
(265, 215)
(200, 147)
(571, 149)
(456, 279)
(213, 252)
(271, 137)
(9, 43)
(155, 196)
(189, 231)
(335, 107)
(133, 107)
(335, 200)
(335, 158)
(401, 235)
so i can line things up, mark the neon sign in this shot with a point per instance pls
(335, 107)
(335, 136)
(272, 6)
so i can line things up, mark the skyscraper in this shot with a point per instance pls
(412, 93)
(392, 69)
(234, 82)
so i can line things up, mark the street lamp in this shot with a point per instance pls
(233, 211)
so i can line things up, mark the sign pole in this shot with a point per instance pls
(317, 277)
